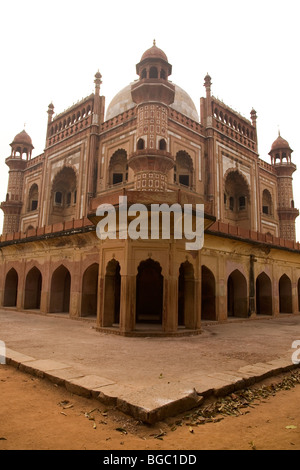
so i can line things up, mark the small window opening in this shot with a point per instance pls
(117, 178)
(184, 179)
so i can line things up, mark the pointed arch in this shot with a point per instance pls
(263, 294)
(33, 289)
(60, 290)
(267, 204)
(285, 295)
(90, 291)
(11, 288)
(149, 307)
(237, 301)
(208, 294)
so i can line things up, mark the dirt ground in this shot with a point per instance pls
(36, 414)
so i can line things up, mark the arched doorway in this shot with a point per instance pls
(60, 290)
(112, 293)
(285, 295)
(11, 289)
(208, 299)
(33, 289)
(149, 292)
(263, 295)
(237, 295)
(186, 295)
(90, 291)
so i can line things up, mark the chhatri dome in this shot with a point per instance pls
(280, 143)
(123, 101)
(22, 138)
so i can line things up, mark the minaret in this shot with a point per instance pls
(152, 93)
(280, 154)
(21, 150)
(98, 113)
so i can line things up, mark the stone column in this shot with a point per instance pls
(127, 303)
(170, 305)
(295, 306)
(197, 301)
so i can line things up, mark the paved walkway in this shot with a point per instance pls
(153, 377)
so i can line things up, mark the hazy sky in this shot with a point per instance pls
(51, 50)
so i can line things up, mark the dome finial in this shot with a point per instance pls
(154, 42)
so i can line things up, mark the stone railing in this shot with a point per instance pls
(250, 235)
(47, 230)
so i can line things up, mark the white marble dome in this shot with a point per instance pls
(122, 102)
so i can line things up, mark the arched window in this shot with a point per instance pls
(140, 144)
(183, 172)
(118, 167)
(163, 74)
(242, 203)
(162, 144)
(153, 73)
(144, 74)
(33, 198)
(266, 202)
(58, 198)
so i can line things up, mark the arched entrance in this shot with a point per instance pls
(149, 292)
(11, 289)
(60, 290)
(263, 295)
(208, 299)
(285, 295)
(90, 291)
(33, 289)
(237, 295)
(186, 295)
(112, 293)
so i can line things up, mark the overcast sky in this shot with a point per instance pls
(51, 50)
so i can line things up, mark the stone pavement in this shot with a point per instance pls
(149, 378)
